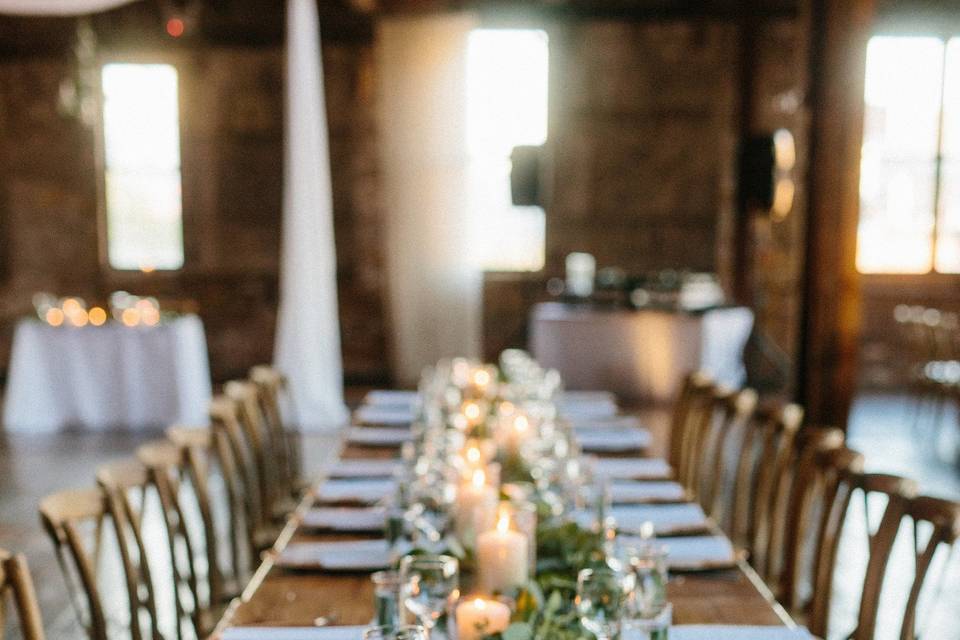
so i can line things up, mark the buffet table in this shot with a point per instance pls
(641, 355)
(107, 377)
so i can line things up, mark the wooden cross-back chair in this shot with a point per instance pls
(792, 510)
(198, 449)
(273, 388)
(162, 460)
(731, 411)
(693, 410)
(62, 515)
(943, 516)
(121, 481)
(765, 452)
(246, 495)
(15, 580)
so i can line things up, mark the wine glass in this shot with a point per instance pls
(388, 632)
(429, 584)
(601, 598)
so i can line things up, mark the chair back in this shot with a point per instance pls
(685, 439)
(62, 515)
(121, 482)
(943, 516)
(249, 415)
(162, 460)
(274, 388)
(15, 579)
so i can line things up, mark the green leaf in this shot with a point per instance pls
(518, 631)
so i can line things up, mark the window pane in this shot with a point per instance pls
(897, 180)
(506, 107)
(142, 155)
(948, 224)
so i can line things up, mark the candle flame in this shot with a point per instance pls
(473, 455)
(503, 523)
(479, 478)
(481, 378)
(480, 603)
(521, 424)
(471, 410)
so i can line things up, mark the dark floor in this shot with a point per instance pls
(33, 466)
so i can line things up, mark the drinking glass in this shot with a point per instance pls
(386, 597)
(393, 632)
(655, 628)
(648, 564)
(429, 585)
(601, 600)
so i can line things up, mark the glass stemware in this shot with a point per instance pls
(601, 600)
(429, 585)
(386, 595)
(390, 632)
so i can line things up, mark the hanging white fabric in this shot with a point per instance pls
(307, 345)
(434, 284)
(58, 7)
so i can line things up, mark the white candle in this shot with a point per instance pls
(502, 558)
(478, 617)
(476, 507)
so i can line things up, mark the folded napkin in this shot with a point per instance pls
(634, 491)
(589, 408)
(605, 422)
(391, 398)
(292, 633)
(575, 397)
(366, 491)
(736, 632)
(693, 553)
(346, 555)
(666, 518)
(378, 436)
(632, 468)
(361, 519)
(364, 468)
(374, 414)
(613, 440)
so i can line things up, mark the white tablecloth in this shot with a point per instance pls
(107, 377)
(639, 355)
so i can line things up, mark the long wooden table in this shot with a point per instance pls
(279, 597)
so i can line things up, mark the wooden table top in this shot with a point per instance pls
(278, 597)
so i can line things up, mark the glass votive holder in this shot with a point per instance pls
(386, 598)
(648, 563)
(394, 632)
(656, 627)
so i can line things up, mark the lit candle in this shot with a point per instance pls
(478, 617)
(502, 558)
(476, 507)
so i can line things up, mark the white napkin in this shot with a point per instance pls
(347, 555)
(690, 553)
(345, 519)
(607, 422)
(364, 468)
(586, 396)
(375, 414)
(391, 398)
(361, 491)
(613, 440)
(666, 518)
(292, 633)
(633, 492)
(736, 632)
(379, 436)
(588, 408)
(633, 468)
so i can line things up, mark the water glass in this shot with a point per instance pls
(655, 628)
(601, 600)
(648, 564)
(393, 632)
(429, 585)
(386, 598)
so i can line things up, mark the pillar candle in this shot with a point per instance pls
(476, 507)
(502, 558)
(478, 617)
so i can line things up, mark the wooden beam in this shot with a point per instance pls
(826, 376)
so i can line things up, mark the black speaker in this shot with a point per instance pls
(525, 176)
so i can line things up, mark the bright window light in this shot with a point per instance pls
(141, 130)
(506, 107)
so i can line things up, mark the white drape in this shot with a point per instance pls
(58, 7)
(307, 346)
(434, 283)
